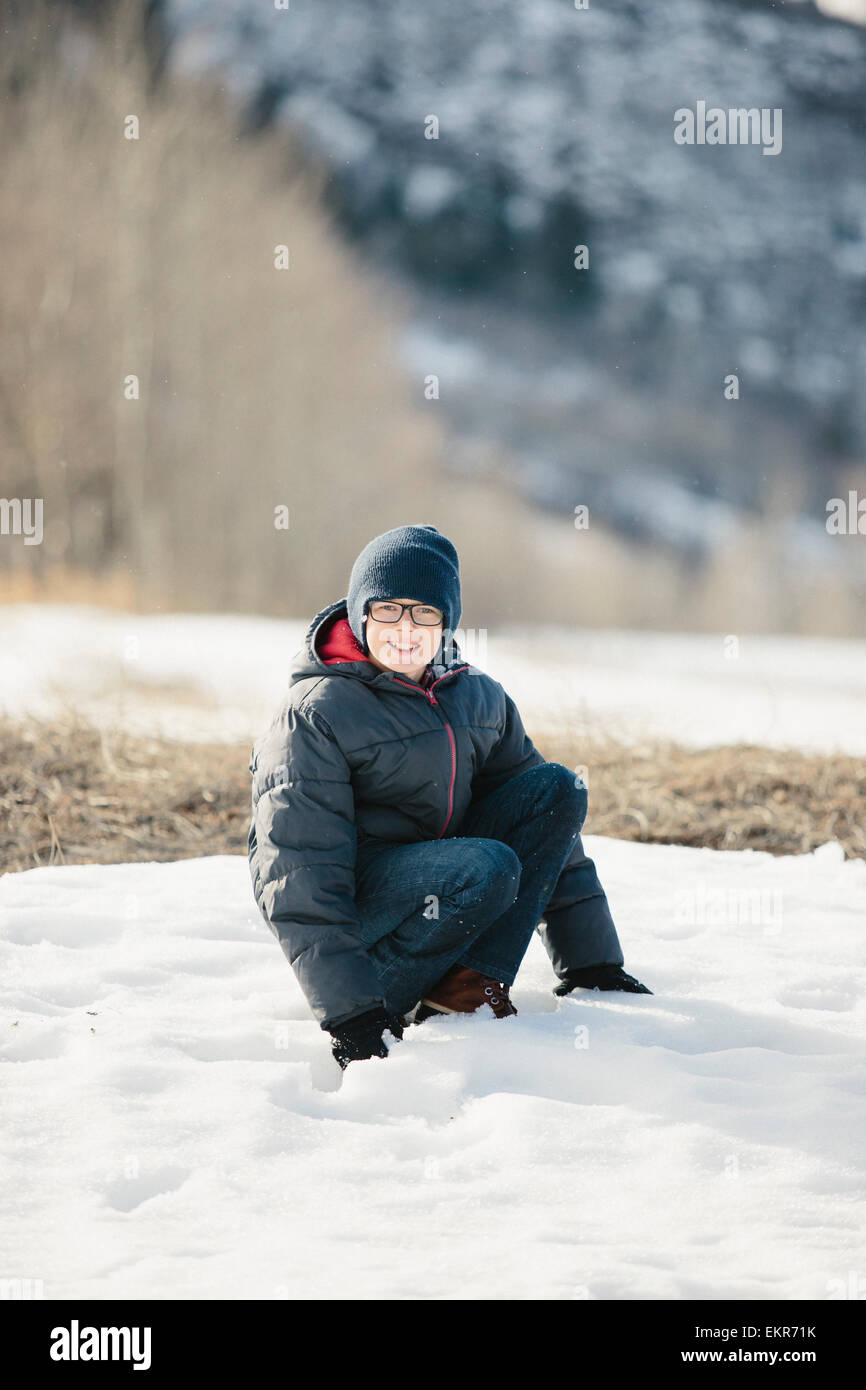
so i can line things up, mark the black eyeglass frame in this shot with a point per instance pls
(403, 607)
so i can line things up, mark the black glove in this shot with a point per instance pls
(601, 977)
(361, 1037)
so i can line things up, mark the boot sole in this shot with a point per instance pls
(426, 1010)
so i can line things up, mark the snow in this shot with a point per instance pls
(194, 676)
(174, 1124)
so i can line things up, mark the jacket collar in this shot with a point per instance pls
(331, 648)
(335, 641)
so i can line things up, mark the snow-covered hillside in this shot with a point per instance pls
(175, 1127)
(218, 677)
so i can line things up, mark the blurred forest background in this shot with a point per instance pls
(409, 258)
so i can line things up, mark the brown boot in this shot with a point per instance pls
(464, 991)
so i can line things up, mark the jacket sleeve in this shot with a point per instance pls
(303, 842)
(577, 928)
(514, 753)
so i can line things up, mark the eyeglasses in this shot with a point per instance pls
(389, 611)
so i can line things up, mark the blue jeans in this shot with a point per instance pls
(474, 898)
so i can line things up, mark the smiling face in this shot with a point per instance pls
(405, 647)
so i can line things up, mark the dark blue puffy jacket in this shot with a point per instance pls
(355, 751)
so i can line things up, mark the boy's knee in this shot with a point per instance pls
(573, 797)
(503, 870)
(571, 788)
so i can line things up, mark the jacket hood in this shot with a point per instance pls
(331, 648)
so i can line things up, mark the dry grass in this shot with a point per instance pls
(74, 794)
(741, 797)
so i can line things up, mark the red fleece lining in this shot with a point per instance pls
(337, 642)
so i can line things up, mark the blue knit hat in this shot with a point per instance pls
(415, 562)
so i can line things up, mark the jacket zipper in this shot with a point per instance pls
(432, 698)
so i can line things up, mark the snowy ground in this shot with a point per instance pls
(175, 1127)
(221, 677)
